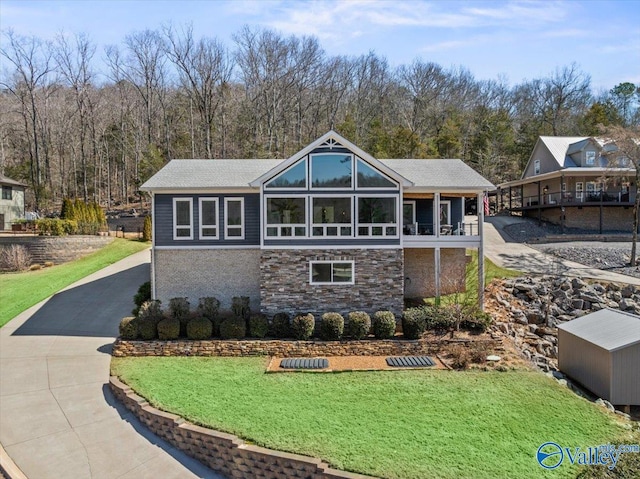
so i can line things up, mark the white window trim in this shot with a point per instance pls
(202, 226)
(285, 225)
(384, 226)
(304, 160)
(588, 162)
(446, 203)
(329, 188)
(227, 226)
(324, 226)
(332, 283)
(579, 190)
(365, 188)
(536, 167)
(175, 220)
(413, 204)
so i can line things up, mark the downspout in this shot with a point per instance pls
(153, 246)
(481, 252)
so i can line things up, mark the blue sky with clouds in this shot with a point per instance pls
(513, 39)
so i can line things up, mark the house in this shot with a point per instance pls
(601, 351)
(329, 229)
(11, 202)
(574, 182)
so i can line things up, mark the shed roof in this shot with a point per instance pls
(608, 328)
(8, 181)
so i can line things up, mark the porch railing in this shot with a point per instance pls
(427, 229)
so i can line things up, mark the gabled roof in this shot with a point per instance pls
(331, 136)
(558, 147)
(440, 174)
(609, 329)
(8, 181)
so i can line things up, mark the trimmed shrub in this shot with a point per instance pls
(128, 328)
(302, 326)
(147, 328)
(14, 257)
(169, 329)
(199, 328)
(179, 308)
(281, 326)
(209, 307)
(478, 321)
(413, 322)
(143, 294)
(240, 307)
(146, 229)
(359, 324)
(384, 325)
(258, 326)
(150, 310)
(233, 328)
(331, 326)
(55, 227)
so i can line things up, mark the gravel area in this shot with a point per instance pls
(526, 230)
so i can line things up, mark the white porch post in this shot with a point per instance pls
(436, 214)
(481, 251)
(436, 254)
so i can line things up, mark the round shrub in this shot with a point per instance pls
(258, 326)
(359, 324)
(331, 326)
(128, 328)
(413, 323)
(384, 325)
(302, 326)
(169, 329)
(233, 328)
(209, 307)
(150, 310)
(179, 307)
(147, 328)
(281, 326)
(199, 328)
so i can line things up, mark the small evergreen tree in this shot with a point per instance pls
(146, 229)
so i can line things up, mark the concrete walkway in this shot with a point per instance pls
(58, 418)
(504, 251)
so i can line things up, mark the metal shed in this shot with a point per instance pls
(601, 351)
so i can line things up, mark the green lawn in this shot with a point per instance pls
(392, 424)
(20, 291)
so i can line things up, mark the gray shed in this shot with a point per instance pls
(601, 351)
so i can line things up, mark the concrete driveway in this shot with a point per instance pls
(504, 251)
(58, 418)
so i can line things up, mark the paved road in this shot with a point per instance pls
(58, 418)
(504, 251)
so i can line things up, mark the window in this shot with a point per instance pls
(182, 218)
(377, 216)
(332, 170)
(331, 216)
(409, 217)
(579, 190)
(234, 218)
(294, 177)
(590, 158)
(331, 272)
(368, 177)
(536, 167)
(209, 218)
(7, 192)
(445, 213)
(286, 216)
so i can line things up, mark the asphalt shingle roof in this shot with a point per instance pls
(193, 174)
(607, 328)
(8, 181)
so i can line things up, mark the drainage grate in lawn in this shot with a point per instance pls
(304, 363)
(410, 362)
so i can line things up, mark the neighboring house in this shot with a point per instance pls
(11, 202)
(577, 182)
(329, 229)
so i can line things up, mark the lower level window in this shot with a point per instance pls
(330, 272)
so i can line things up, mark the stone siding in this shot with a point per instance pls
(419, 269)
(58, 249)
(224, 453)
(378, 282)
(614, 218)
(197, 273)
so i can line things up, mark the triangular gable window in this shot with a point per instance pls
(294, 177)
(369, 177)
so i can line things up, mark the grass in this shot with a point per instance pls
(20, 291)
(399, 424)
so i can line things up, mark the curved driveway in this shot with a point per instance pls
(58, 418)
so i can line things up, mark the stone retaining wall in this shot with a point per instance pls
(282, 348)
(58, 249)
(224, 453)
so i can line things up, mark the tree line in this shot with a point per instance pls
(69, 129)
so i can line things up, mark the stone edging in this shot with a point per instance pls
(224, 453)
(283, 348)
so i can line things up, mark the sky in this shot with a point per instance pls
(508, 40)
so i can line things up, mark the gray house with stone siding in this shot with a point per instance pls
(329, 229)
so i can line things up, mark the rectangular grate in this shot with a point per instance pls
(304, 363)
(410, 362)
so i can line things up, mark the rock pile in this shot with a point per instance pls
(529, 309)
